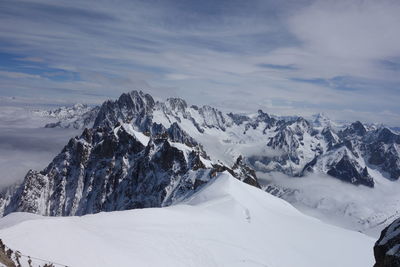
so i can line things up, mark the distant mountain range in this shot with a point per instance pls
(77, 116)
(303, 145)
(136, 152)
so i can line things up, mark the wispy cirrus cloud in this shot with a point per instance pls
(285, 56)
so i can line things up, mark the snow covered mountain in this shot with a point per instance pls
(320, 120)
(291, 145)
(226, 223)
(119, 168)
(77, 116)
(140, 152)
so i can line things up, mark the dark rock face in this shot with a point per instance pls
(356, 128)
(177, 104)
(386, 157)
(329, 137)
(309, 166)
(238, 119)
(240, 170)
(261, 117)
(176, 134)
(288, 140)
(139, 154)
(387, 248)
(244, 173)
(378, 148)
(213, 118)
(109, 169)
(125, 162)
(345, 170)
(296, 143)
(386, 136)
(133, 107)
(383, 150)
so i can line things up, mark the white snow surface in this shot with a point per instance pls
(226, 223)
(138, 135)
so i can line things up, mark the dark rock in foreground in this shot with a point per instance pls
(387, 248)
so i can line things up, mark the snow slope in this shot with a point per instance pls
(226, 223)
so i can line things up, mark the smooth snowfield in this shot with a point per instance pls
(227, 223)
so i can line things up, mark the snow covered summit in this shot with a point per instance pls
(226, 223)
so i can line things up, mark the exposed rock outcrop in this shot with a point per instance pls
(387, 248)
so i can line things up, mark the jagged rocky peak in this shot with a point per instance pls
(176, 134)
(356, 128)
(213, 118)
(78, 121)
(386, 136)
(240, 170)
(387, 248)
(348, 170)
(176, 104)
(244, 173)
(136, 100)
(301, 125)
(290, 134)
(134, 140)
(330, 137)
(262, 116)
(134, 107)
(65, 112)
(117, 168)
(238, 119)
(341, 163)
(111, 169)
(321, 120)
(382, 149)
(386, 157)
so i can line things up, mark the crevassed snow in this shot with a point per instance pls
(227, 223)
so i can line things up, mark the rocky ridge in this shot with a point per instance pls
(387, 248)
(145, 153)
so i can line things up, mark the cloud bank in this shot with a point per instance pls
(25, 145)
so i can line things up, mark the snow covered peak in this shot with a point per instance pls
(355, 129)
(321, 120)
(77, 116)
(176, 104)
(130, 107)
(65, 112)
(384, 135)
(137, 101)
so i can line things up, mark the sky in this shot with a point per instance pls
(287, 57)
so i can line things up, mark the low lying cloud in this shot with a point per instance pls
(25, 144)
